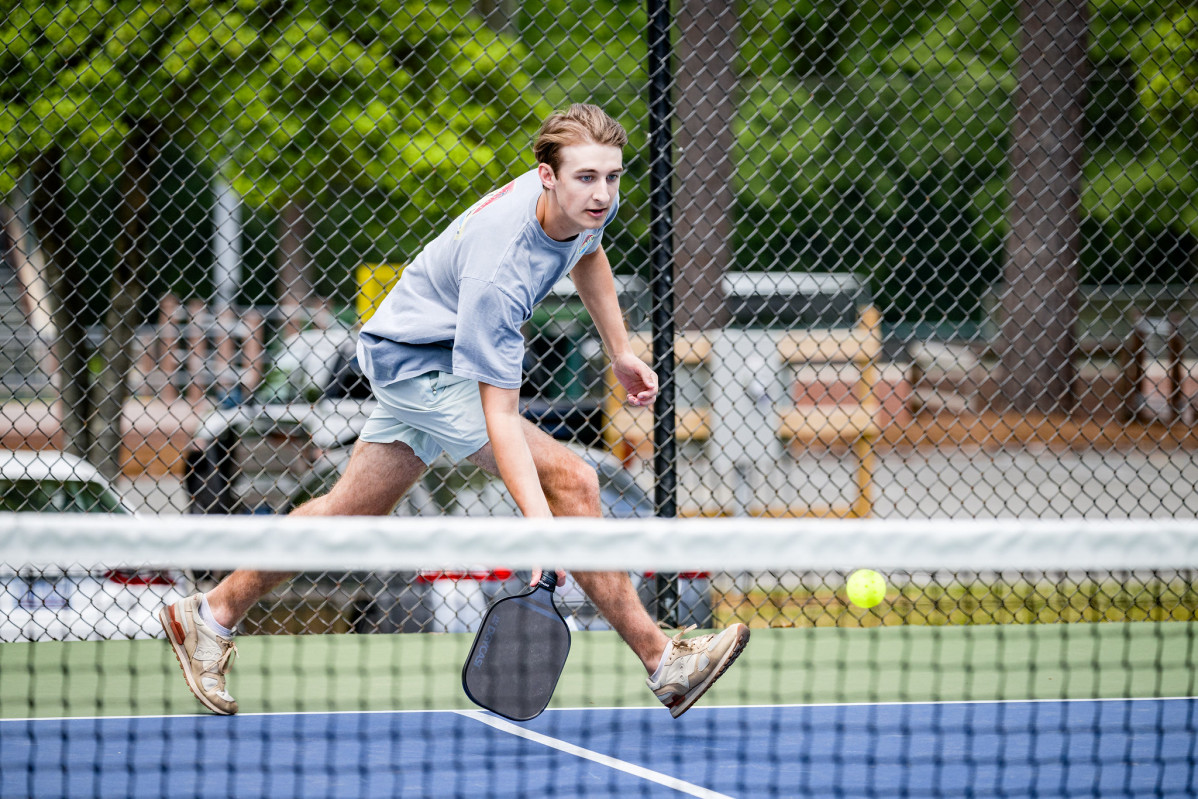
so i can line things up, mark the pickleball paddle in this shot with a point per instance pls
(518, 653)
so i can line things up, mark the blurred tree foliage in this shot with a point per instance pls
(389, 116)
(1166, 55)
(385, 115)
(905, 131)
(872, 136)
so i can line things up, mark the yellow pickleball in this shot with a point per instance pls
(866, 588)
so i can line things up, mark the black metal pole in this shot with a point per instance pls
(661, 253)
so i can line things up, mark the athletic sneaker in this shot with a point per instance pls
(691, 665)
(205, 656)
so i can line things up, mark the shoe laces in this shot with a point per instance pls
(686, 646)
(225, 661)
(677, 639)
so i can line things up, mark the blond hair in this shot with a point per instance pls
(579, 124)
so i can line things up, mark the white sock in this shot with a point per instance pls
(206, 616)
(661, 664)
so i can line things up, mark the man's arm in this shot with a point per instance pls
(597, 289)
(501, 407)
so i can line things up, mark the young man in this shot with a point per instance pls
(443, 355)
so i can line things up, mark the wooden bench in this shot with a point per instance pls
(841, 412)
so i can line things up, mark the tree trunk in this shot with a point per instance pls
(703, 204)
(226, 246)
(294, 288)
(29, 263)
(1039, 303)
(125, 290)
(65, 277)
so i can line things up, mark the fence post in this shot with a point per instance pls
(661, 175)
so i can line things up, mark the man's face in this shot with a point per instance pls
(583, 189)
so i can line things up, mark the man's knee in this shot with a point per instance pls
(573, 489)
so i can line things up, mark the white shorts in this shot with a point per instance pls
(431, 413)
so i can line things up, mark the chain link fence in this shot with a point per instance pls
(918, 259)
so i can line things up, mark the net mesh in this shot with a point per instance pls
(1007, 658)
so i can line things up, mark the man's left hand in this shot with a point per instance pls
(637, 378)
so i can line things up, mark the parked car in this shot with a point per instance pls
(254, 457)
(66, 603)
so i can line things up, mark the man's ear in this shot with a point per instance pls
(548, 179)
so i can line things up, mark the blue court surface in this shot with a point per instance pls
(1103, 748)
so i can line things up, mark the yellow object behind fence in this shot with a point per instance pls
(374, 281)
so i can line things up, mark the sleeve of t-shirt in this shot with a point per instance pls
(488, 345)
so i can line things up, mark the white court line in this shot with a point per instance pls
(697, 711)
(604, 760)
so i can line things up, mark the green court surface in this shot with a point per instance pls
(780, 666)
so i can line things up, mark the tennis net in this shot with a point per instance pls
(1007, 658)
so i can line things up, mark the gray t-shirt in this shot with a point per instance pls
(461, 303)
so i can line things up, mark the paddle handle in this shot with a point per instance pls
(548, 580)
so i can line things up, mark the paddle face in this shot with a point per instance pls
(518, 654)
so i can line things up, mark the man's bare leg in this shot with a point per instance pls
(572, 489)
(376, 478)
(617, 600)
